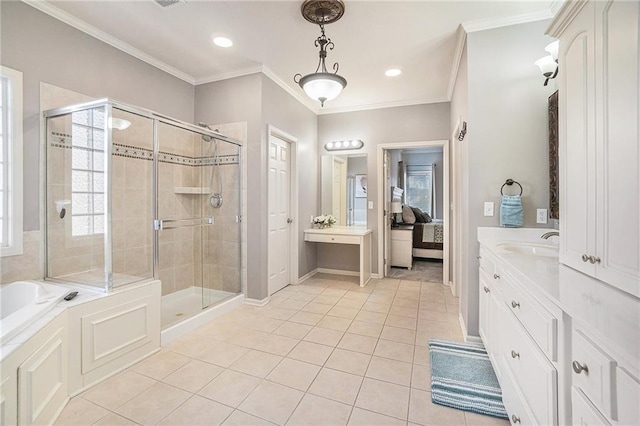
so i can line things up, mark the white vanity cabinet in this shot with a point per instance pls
(520, 334)
(599, 139)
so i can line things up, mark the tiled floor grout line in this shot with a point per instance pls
(245, 325)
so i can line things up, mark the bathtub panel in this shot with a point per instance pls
(111, 333)
(42, 382)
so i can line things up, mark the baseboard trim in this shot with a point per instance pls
(376, 276)
(467, 338)
(338, 272)
(307, 276)
(256, 302)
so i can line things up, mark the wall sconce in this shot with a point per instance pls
(344, 145)
(549, 64)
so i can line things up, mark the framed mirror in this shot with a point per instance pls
(344, 188)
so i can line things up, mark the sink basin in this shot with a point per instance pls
(530, 249)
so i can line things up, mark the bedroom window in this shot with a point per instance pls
(10, 162)
(87, 173)
(419, 188)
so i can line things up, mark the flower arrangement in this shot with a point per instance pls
(324, 221)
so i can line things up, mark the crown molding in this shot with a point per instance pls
(296, 95)
(555, 6)
(59, 14)
(461, 40)
(382, 105)
(227, 75)
(565, 15)
(488, 24)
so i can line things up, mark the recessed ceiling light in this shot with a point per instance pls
(393, 72)
(222, 41)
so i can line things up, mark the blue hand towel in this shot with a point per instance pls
(511, 211)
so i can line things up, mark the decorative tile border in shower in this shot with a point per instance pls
(62, 140)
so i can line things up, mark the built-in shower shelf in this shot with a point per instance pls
(197, 190)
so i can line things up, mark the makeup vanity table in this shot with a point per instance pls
(346, 235)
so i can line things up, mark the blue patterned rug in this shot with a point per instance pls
(462, 377)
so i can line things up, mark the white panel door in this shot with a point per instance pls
(577, 142)
(618, 154)
(279, 213)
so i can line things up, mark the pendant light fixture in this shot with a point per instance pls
(322, 85)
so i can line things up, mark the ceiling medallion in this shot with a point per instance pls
(322, 11)
(322, 85)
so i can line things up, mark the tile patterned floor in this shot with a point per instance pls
(326, 352)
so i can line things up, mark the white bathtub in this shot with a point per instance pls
(22, 302)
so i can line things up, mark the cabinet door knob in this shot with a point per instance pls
(594, 259)
(515, 304)
(514, 354)
(486, 289)
(579, 368)
(496, 276)
(332, 239)
(479, 257)
(585, 258)
(515, 419)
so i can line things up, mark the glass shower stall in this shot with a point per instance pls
(133, 195)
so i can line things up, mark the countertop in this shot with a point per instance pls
(339, 230)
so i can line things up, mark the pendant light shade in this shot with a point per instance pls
(322, 85)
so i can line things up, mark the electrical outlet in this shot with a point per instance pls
(488, 208)
(541, 216)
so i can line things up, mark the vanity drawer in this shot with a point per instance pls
(594, 373)
(517, 408)
(535, 375)
(328, 238)
(583, 412)
(628, 398)
(538, 321)
(487, 262)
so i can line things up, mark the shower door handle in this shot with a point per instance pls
(162, 224)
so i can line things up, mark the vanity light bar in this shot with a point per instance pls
(344, 145)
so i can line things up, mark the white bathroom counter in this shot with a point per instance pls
(339, 230)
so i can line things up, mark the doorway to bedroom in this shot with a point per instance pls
(415, 216)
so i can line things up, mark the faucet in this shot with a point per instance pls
(546, 235)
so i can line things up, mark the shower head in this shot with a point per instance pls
(205, 138)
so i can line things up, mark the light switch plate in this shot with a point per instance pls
(370, 205)
(541, 216)
(488, 208)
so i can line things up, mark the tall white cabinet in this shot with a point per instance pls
(599, 108)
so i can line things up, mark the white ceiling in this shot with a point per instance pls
(417, 36)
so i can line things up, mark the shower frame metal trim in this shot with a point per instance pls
(109, 105)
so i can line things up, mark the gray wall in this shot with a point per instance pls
(508, 132)
(410, 159)
(257, 100)
(387, 125)
(47, 50)
(287, 114)
(236, 100)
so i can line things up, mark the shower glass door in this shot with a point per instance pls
(197, 222)
(220, 174)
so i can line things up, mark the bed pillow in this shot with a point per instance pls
(419, 215)
(427, 218)
(407, 215)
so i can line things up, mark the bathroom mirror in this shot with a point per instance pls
(344, 188)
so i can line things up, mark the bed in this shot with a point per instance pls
(428, 239)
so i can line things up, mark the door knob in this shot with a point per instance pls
(486, 289)
(289, 220)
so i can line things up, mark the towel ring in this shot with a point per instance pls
(510, 182)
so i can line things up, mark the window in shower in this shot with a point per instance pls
(10, 162)
(87, 172)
